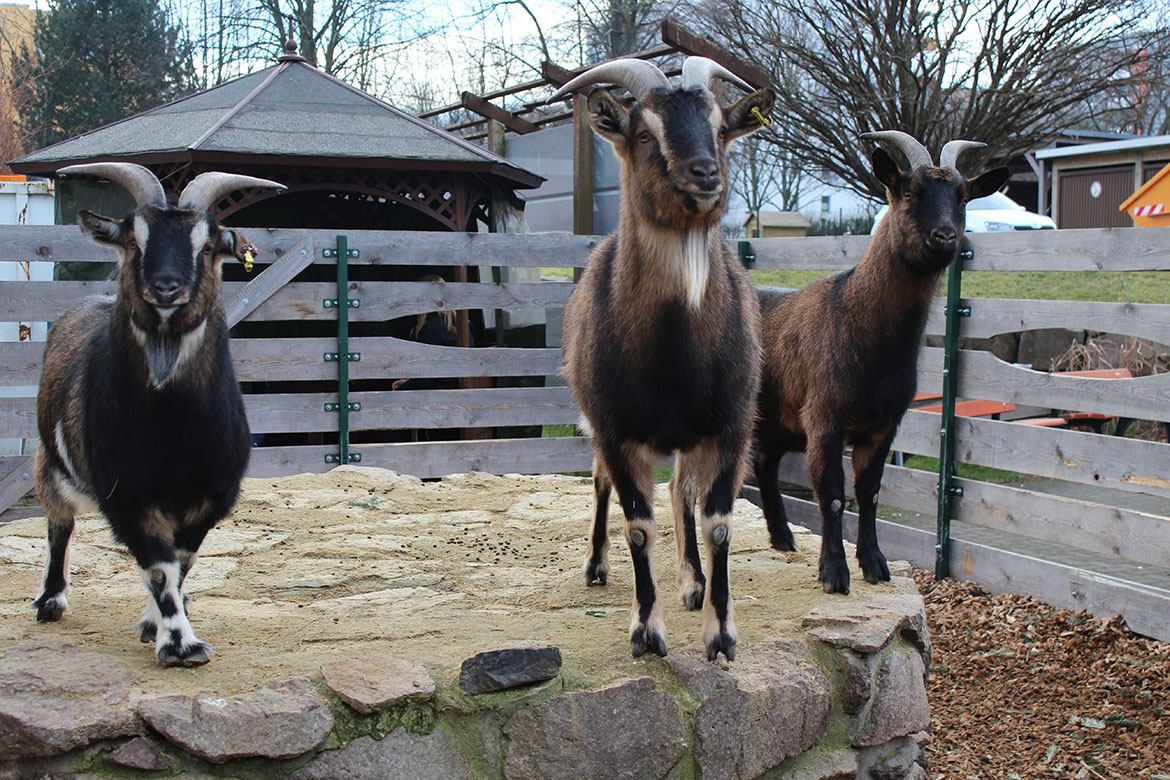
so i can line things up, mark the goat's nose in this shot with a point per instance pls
(165, 287)
(943, 237)
(705, 171)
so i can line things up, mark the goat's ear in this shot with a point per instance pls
(99, 229)
(885, 169)
(742, 119)
(610, 117)
(987, 183)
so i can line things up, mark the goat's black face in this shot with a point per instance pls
(168, 258)
(673, 144)
(928, 208)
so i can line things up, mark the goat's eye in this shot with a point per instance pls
(207, 249)
(644, 136)
(723, 132)
(907, 195)
(131, 244)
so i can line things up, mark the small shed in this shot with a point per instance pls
(1150, 205)
(776, 224)
(349, 160)
(1091, 181)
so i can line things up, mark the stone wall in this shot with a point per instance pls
(845, 698)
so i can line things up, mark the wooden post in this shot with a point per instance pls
(582, 168)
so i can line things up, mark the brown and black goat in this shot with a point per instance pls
(661, 336)
(841, 355)
(139, 412)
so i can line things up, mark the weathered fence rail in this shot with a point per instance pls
(1096, 551)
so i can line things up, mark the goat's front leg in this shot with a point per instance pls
(767, 468)
(828, 481)
(869, 462)
(692, 585)
(632, 471)
(719, 634)
(53, 599)
(597, 558)
(165, 619)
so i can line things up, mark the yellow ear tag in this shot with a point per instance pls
(763, 120)
(248, 258)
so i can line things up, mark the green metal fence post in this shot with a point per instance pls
(947, 490)
(343, 303)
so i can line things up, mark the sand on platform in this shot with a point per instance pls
(321, 567)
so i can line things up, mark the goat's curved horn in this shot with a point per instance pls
(638, 76)
(916, 154)
(703, 72)
(949, 155)
(206, 188)
(138, 181)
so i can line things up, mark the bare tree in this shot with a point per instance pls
(766, 174)
(1006, 72)
(17, 95)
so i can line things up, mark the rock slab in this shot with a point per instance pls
(139, 754)
(55, 697)
(867, 627)
(399, 754)
(772, 704)
(498, 670)
(900, 707)
(370, 685)
(625, 730)
(281, 720)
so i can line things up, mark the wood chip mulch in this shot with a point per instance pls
(1020, 690)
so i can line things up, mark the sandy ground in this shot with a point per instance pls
(315, 568)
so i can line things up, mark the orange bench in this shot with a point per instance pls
(992, 409)
(1092, 419)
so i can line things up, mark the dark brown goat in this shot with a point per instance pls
(841, 355)
(139, 412)
(661, 336)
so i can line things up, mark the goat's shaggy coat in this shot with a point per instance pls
(841, 356)
(139, 412)
(662, 350)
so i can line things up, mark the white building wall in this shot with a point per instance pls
(24, 203)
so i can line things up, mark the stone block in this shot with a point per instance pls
(771, 704)
(1039, 348)
(899, 706)
(624, 730)
(139, 753)
(55, 697)
(868, 627)
(370, 685)
(498, 670)
(398, 755)
(280, 720)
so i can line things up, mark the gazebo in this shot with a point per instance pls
(349, 160)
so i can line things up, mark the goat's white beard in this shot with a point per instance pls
(695, 265)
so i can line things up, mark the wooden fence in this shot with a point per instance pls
(1097, 554)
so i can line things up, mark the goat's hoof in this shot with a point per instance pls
(874, 568)
(595, 574)
(194, 654)
(645, 639)
(147, 631)
(721, 643)
(835, 577)
(784, 542)
(50, 608)
(692, 594)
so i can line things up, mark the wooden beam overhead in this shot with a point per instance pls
(679, 37)
(483, 108)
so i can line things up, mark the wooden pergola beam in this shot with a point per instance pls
(679, 37)
(485, 109)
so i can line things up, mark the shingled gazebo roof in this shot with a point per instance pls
(299, 125)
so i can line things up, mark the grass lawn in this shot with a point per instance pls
(1126, 286)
